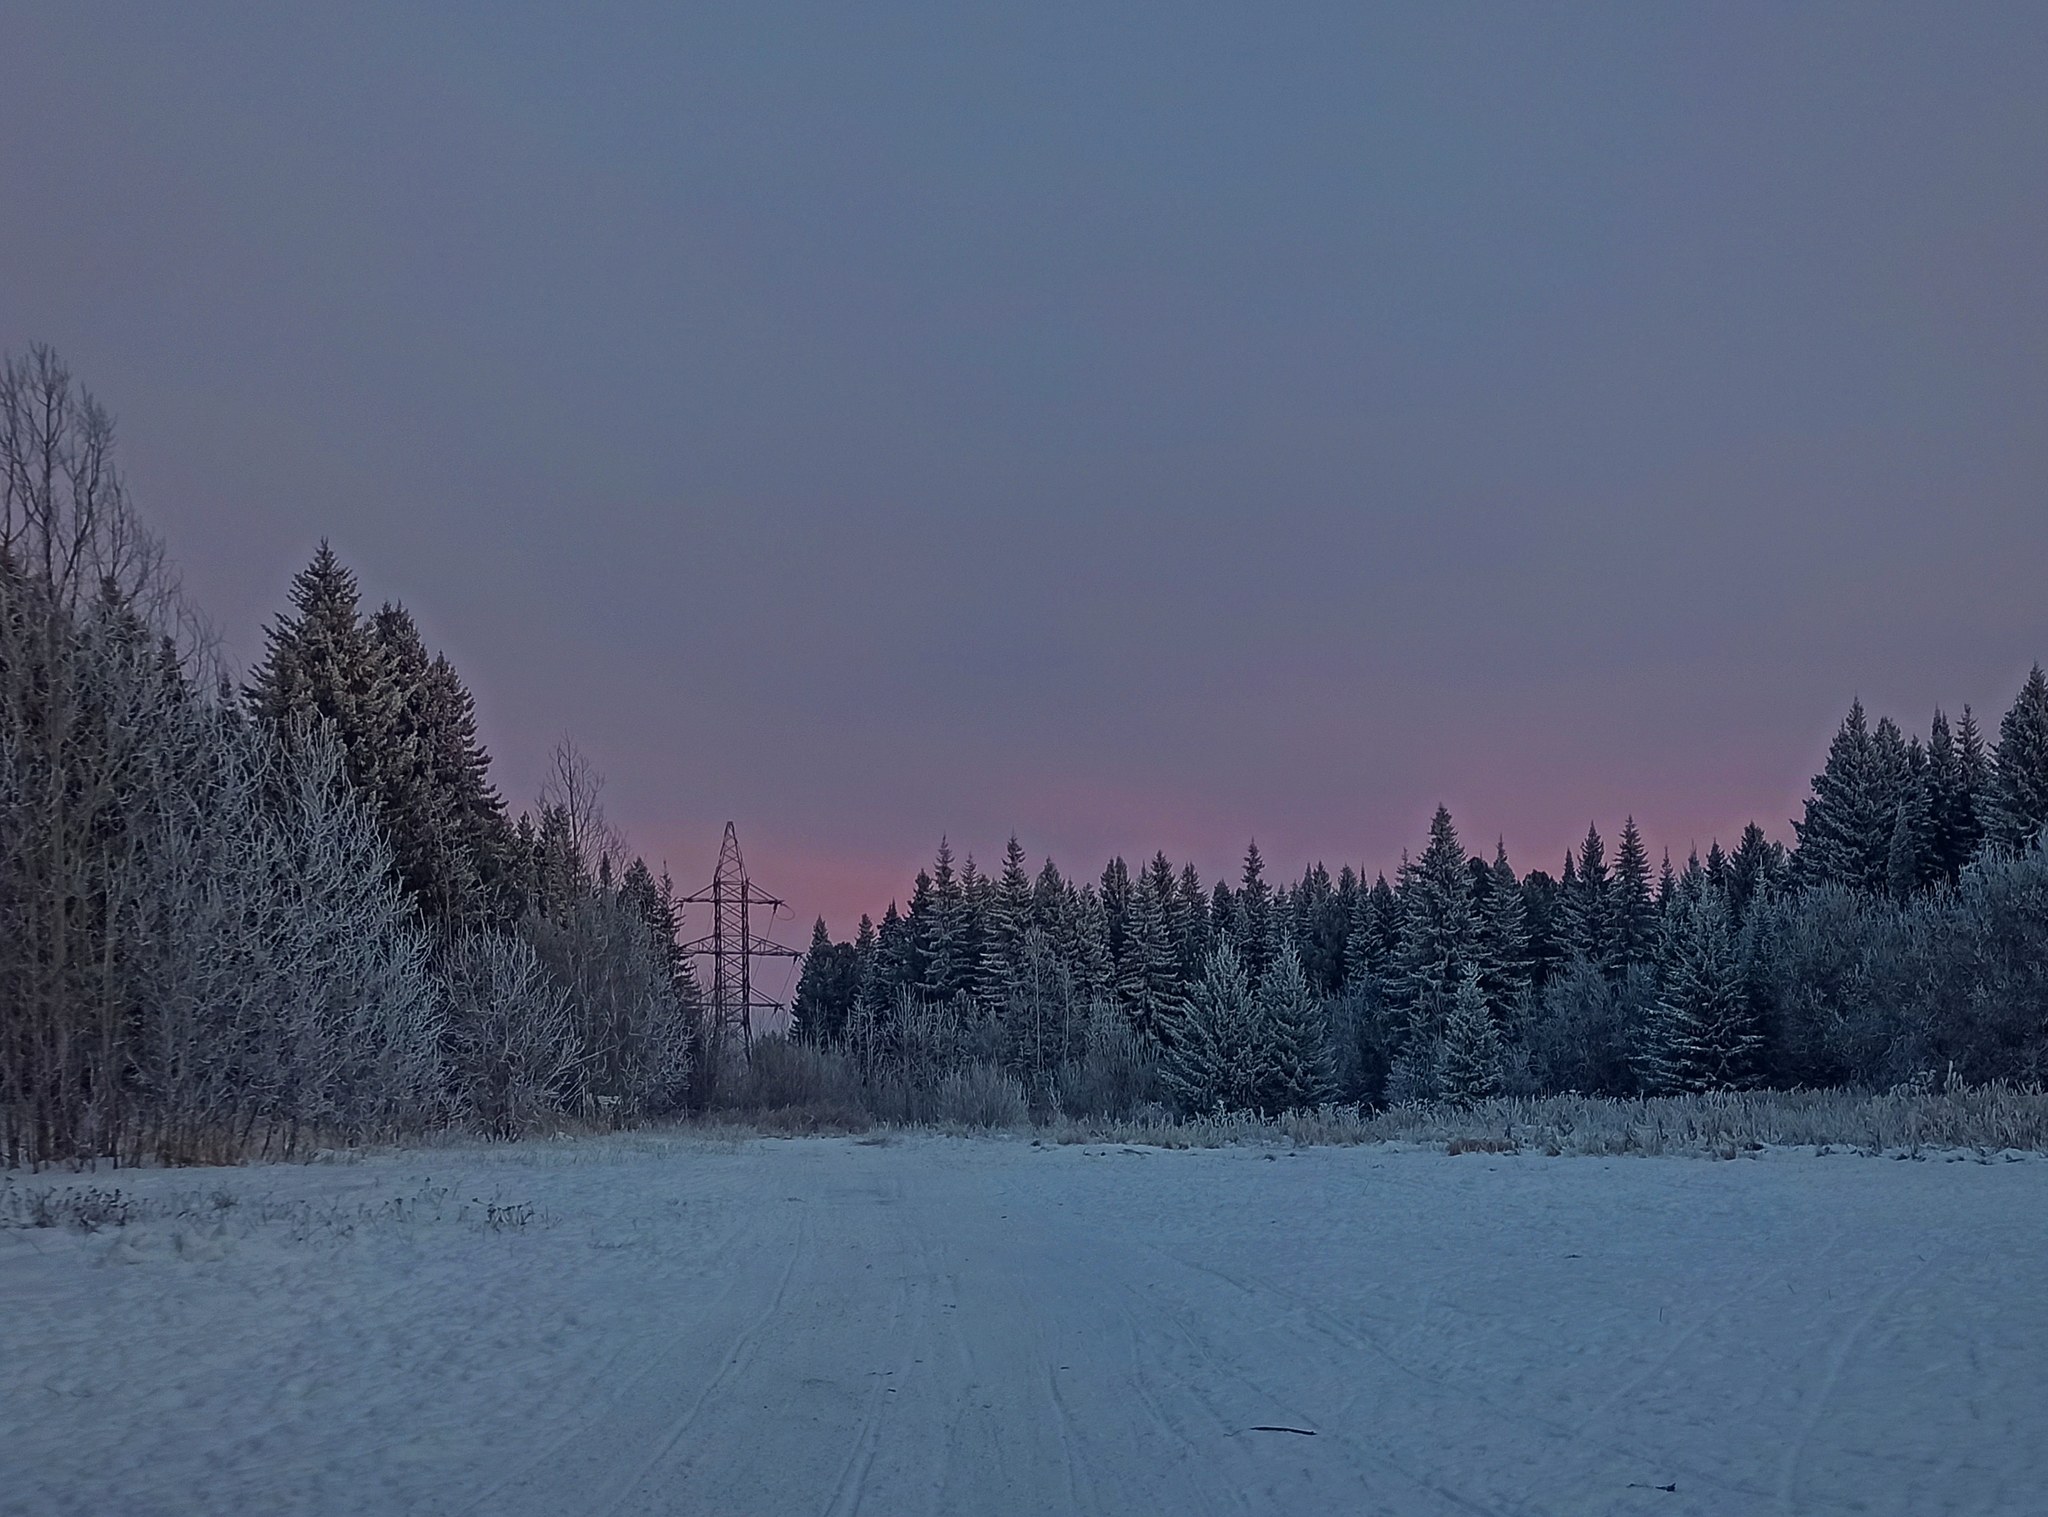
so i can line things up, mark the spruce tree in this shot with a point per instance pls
(1252, 906)
(1756, 871)
(1892, 761)
(977, 901)
(1008, 919)
(1322, 924)
(321, 665)
(865, 953)
(1436, 927)
(1149, 981)
(1093, 970)
(1701, 1034)
(1971, 817)
(1540, 912)
(1911, 862)
(1386, 918)
(417, 823)
(406, 725)
(1951, 813)
(1692, 879)
(460, 769)
(896, 960)
(1634, 913)
(1471, 1066)
(1159, 878)
(1589, 926)
(654, 903)
(1845, 836)
(809, 1016)
(444, 819)
(2018, 800)
(1214, 1061)
(1115, 894)
(1502, 937)
(1052, 915)
(866, 1018)
(1365, 959)
(1191, 918)
(1295, 1069)
(941, 921)
(1222, 915)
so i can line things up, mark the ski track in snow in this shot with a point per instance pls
(946, 1326)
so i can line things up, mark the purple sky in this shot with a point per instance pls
(1132, 426)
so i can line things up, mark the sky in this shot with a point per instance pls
(1128, 426)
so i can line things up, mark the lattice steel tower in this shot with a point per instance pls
(732, 945)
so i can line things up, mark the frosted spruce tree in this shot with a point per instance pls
(1633, 911)
(1215, 1061)
(1756, 871)
(1588, 904)
(445, 819)
(1295, 1069)
(1252, 915)
(1114, 888)
(1149, 982)
(1472, 1062)
(1701, 1035)
(323, 667)
(811, 1010)
(1191, 923)
(1094, 970)
(1502, 936)
(1845, 836)
(406, 725)
(1008, 919)
(1911, 862)
(941, 929)
(2018, 802)
(1437, 938)
(1952, 800)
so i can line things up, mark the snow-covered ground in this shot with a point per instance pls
(928, 1325)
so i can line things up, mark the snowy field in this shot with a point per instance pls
(930, 1325)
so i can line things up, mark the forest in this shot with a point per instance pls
(241, 917)
(1903, 941)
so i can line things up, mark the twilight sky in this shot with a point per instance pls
(1134, 426)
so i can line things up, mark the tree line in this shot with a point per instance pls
(1903, 939)
(244, 917)
(241, 920)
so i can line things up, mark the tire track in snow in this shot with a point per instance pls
(1370, 1452)
(851, 1486)
(602, 1408)
(737, 1357)
(1564, 1437)
(1844, 1351)
(1164, 1424)
(1631, 1383)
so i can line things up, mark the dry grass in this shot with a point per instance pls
(794, 1089)
(1986, 1119)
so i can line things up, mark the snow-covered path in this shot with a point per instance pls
(963, 1327)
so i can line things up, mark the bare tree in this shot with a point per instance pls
(202, 943)
(89, 672)
(279, 979)
(512, 1048)
(575, 789)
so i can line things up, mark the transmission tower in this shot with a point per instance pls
(732, 945)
